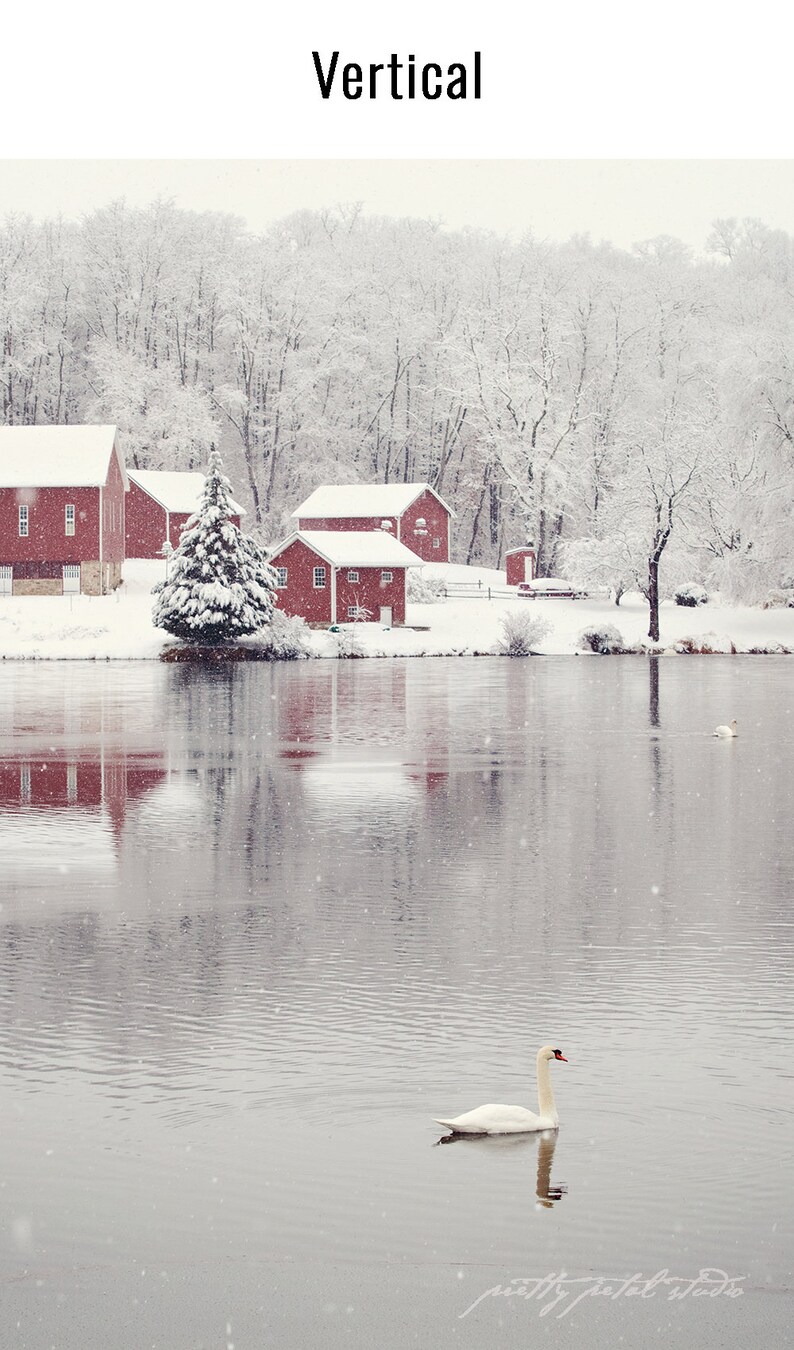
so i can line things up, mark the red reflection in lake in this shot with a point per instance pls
(100, 782)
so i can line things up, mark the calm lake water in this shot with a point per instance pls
(260, 924)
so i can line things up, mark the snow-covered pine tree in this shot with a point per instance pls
(220, 585)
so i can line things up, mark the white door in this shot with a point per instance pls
(529, 569)
(71, 578)
(385, 615)
(6, 579)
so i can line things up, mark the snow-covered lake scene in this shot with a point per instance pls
(396, 777)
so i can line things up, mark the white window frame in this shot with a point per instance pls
(24, 521)
(353, 577)
(385, 577)
(436, 542)
(69, 519)
(319, 575)
(353, 612)
(281, 578)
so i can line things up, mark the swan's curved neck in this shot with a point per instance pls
(546, 1104)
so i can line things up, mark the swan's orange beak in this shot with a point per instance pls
(562, 1057)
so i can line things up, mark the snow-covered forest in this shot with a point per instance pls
(617, 407)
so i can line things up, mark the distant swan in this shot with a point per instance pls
(726, 731)
(496, 1119)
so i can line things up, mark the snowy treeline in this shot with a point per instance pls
(616, 407)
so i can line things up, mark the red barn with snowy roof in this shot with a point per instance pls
(327, 576)
(412, 512)
(62, 494)
(159, 505)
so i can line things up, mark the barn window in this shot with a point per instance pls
(352, 576)
(69, 524)
(436, 543)
(281, 578)
(23, 522)
(386, 577)
(319, 578)
(353, 612)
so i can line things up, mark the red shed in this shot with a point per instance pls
(328, 576)
(159, 506)
(520, 564)
(412, 512)
(62, 492)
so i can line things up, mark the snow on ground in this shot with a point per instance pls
(119, 626)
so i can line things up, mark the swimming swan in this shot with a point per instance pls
(726, 731)
(496, 1119)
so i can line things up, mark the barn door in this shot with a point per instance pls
(6, 579)
(385, 615)
(71, 578)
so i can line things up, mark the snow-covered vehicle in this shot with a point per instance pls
(550, 587)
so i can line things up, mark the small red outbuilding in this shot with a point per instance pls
(158, 507)
(328, 576)
(412, 512)
(62, 491)
(520, 564)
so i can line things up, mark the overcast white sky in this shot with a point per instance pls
(620, 121)
(619, 200)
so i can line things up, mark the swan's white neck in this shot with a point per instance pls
(546, 1105)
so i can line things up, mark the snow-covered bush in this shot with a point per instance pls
(220, 585)
(522, 633)
(705, 644)
(348, 642)
(691, 595)
(424, 590)
(286, 637)
(602, 638)
(779, 599)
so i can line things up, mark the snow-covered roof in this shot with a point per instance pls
(179, 492)
(354, 548)
(68, 456)
(348, 501)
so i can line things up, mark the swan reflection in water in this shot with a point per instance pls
(547, 1191)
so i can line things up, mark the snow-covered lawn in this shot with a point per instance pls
(119, 626)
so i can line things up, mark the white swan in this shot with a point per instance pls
(496, 1119)
(726, 731)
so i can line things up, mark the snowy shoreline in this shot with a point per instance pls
(119, 627)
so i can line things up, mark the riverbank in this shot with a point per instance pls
(119, 626)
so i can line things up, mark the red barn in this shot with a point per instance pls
(520, 564)
(330, 576)
(62, 493)
(158, 507)
(412, 512)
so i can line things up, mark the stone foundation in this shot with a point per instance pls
(99, 578)
(95, 579)
(40, 586)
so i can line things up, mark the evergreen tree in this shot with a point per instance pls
(219, 585)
